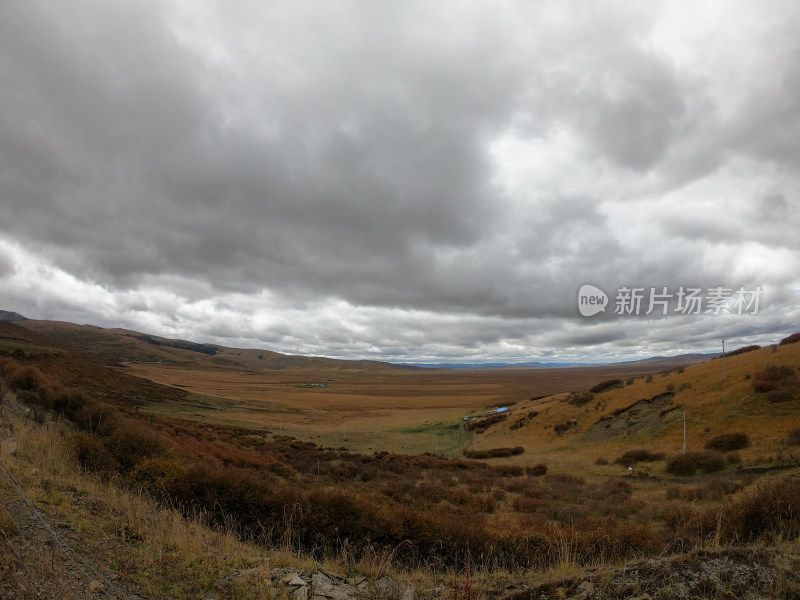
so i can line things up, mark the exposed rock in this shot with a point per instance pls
(294, 581)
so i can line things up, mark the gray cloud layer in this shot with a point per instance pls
(399, 181)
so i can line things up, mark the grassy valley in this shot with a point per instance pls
(175, 465)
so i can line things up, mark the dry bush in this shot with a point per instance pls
(772, 511)
(579, 398)
(780, 395)
(690, 463)
(494, 453)
(8, 365)
(604, 386)
(563, 427)
(537, 471)
(527, 505)
(792, 339)
(744, 350)
(132, 443)
(68, 401)
(481, 425)
(155, 474)
(92, 455)
(640, 455)
(715, 488)
(508, 470)
(728, 442)
(27, 377)
(774, 377)
(793, 437)
(95, 417)
(524, 420)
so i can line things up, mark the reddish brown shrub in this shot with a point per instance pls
(8, 365)
(744, 350)
(494, 453)
(774, 377)
(608, 384)
(485, 423)
(28, 378)
(155, 474)
(640, 455)
(781, 395)
(690, 463)
(131, 443)
(579, 398)
(537, 471)
(792, 339)
(527, 505)
(793, 437)
(772, 511)
(508, 470)
(728, 442)
(92, 455)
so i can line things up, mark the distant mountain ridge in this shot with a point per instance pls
(12, 317)
(681, 359)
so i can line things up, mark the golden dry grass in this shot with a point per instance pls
(364, 410)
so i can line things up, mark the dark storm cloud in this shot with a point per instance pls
(393, 180)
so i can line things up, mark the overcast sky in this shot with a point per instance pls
(404, 181)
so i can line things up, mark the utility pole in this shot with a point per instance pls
(724, 370)
(684, 432)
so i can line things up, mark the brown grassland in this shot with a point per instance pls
(182, 462)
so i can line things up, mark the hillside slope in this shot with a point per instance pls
(648, 412)
(120, 346)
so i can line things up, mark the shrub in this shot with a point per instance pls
(132, 443)
(537, 471)
(690, 463)
(780, 395)
(494, 452)
(579, 398)
(508, 470)
(562, 427)
(155, 474)
(483, 424)
(27, 378)
(728, 442)
(68, 402)
(524, 420)
(32, 398)
(608, 384)
(92, 455)
(716, 488)
(527, 505)
(793, 437)
(601, 461)
(95, 418)
(8, 365)
(792, 339)
(641, 455)
(744, 350)
(772, 511)
(773, 377)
